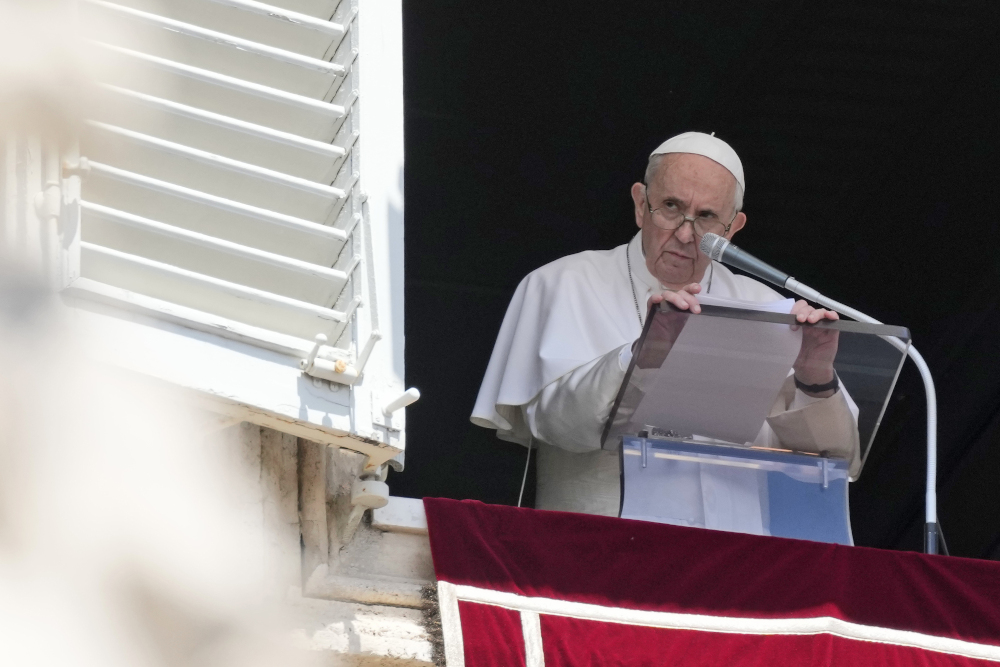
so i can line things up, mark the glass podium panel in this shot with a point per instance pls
(713, 431)
(750, 491)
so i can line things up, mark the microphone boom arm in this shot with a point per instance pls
(932, 531)
(721, 249)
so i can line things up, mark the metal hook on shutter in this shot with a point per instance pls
(309, 362)
(337, 371)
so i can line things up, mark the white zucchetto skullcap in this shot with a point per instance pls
(708, 145)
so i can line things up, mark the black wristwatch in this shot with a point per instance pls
(819, 388)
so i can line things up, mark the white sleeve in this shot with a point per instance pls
(570, 412)
(810, 424)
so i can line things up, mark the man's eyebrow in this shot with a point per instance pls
(671, 198)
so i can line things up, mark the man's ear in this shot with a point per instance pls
(639, 199)
(738, 222)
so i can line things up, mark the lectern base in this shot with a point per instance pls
(755, 491)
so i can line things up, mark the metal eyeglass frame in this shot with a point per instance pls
(684, 218)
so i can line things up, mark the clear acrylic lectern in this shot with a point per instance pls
(713, 432)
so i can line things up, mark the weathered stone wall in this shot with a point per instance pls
(353, 588)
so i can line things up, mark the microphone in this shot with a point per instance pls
(721, 250)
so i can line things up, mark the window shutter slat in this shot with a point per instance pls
(224, 194)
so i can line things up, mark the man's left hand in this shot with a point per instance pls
(803, 312)
(819, 347)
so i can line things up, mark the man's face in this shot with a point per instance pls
(695, 185)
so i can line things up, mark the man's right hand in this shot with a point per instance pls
(682, 299)
(669, 327)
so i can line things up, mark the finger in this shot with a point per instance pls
(676, 299)
(816, 315)
(801, 310)
(693, 288)
(822, 314)
(683, 300)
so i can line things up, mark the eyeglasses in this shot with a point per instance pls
(669, 217)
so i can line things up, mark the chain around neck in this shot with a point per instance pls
(628, 263)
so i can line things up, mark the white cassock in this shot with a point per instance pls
(561, 356)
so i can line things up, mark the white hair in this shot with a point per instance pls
(654, 166)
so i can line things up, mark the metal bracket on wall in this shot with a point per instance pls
(382, 412)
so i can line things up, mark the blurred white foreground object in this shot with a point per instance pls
(206, 266)
(124, 532)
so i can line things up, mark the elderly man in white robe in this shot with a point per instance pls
(566, 340)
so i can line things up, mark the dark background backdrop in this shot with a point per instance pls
(870, 138)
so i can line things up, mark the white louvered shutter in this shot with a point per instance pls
(243, 181)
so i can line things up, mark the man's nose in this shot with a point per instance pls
(685, 233)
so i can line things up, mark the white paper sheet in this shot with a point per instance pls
(783, 306)
(721, 376)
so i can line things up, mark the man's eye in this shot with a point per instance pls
(707, 215)
(670, 206)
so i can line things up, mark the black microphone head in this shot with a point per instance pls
(713, 245)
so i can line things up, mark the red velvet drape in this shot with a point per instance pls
(715, 576)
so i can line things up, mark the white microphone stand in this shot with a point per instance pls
(932, 532)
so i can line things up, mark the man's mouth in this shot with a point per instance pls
(678, 255)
